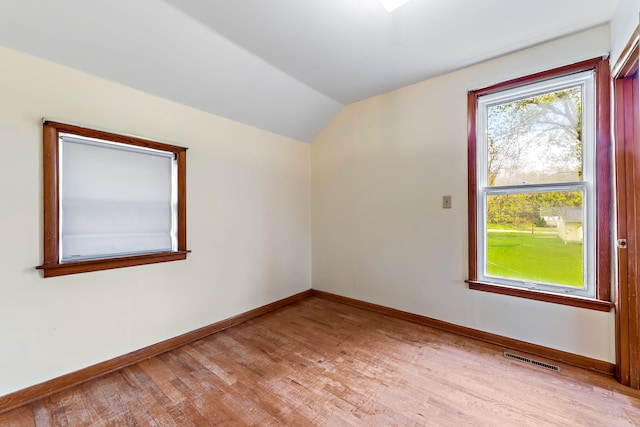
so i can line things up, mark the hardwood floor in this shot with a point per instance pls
(319, 362)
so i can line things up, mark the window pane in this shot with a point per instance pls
(114, 202)
(536, 139)
(536, 237)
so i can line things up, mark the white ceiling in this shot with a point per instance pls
(287, 66)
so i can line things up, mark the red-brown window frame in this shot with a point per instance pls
(51, 265)
(602, 301)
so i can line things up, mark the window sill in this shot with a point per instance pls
(591, 304)
(52, 270)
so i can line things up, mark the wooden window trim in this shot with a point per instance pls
(51, 265)
(575, 301)
(602, 301)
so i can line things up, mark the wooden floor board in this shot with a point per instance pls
(320, 362)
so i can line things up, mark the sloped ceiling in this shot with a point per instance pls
(286, 66)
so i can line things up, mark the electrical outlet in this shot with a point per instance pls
(446, 202)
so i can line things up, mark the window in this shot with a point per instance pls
(539, 179)
(110, 200)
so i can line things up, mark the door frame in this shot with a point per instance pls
(626, 130)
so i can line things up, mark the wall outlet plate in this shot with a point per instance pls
(446, 202)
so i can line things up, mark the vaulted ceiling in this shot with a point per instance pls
(286, 66)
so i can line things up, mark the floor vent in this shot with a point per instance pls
(532, 362)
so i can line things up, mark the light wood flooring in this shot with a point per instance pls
(319, 362)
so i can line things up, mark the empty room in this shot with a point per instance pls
(320, 212)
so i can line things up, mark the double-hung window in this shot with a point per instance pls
(539, 186)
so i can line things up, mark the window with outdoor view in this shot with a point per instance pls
(535, 193)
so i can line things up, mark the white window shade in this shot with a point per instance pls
(115, 199)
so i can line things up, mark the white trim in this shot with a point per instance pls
(586, 81)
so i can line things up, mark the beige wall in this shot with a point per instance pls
(248, 226)
(379, 172)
